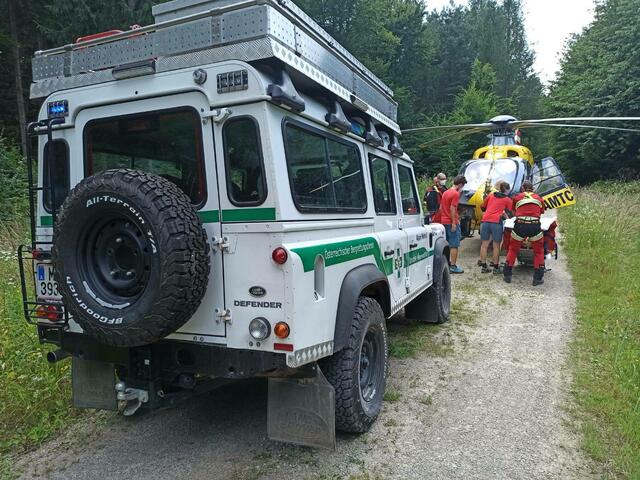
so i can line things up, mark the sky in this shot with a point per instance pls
(549, 23)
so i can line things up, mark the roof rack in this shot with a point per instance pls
(198, 32)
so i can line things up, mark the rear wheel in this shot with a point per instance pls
(434, 304)
(358, 372)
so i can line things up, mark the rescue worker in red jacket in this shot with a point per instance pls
(528, 207)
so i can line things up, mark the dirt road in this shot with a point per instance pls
(483, 397)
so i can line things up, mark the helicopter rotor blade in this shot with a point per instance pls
(487, 126)
(568, 125)
(519, 123)
(451, 135)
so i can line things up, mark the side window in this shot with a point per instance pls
(325, 174)
(56, 158)
(382, 184)
(167, 143)
(246, 185)
(549, 177)
(410, 205)
(346, 173)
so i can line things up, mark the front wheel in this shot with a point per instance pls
(358, 372)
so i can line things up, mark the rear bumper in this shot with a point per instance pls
(168, 359)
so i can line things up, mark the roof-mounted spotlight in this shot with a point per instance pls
(136, 69)
(359, 103)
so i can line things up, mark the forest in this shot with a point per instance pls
(457, 65)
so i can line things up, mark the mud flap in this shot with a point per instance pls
(302, 411)
(93, 384)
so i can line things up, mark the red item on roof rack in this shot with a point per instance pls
(95, 36)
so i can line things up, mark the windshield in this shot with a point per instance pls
(478, 171)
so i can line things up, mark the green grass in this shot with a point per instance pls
(408, 339)
(427, 400)
(34, 395)
(602, 241)
(391, 396)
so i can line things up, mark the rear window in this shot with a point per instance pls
(325, 173)
(167, 143)
(246, 185)
(55, 165)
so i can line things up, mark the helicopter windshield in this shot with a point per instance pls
(478, 172)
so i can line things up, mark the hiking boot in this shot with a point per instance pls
(485, 269)
(538, 275)
(481, 263)
(455, 269)
(507, 272)
(497, 270)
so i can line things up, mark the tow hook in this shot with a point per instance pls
(134, 397)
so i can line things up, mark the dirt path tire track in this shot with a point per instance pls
(489, 401)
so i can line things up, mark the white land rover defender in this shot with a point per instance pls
(222, 195)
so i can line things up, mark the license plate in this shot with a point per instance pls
(46, 286)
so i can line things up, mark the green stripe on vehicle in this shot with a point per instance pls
(340, 252)
(416, 256)
(46, 221)
(239, 215)
(209, 216)
(249, 215)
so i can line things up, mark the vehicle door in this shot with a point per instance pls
(418, 259)
(550, 184)
(388, 223)
(170, 137)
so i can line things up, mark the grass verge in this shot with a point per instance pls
(34, 396)
(602, 241)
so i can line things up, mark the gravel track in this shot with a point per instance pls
(489, 400)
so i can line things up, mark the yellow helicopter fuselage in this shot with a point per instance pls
(491, 153)
(495, 152)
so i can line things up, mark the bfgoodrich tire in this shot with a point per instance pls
(131, 257)
(434, 304)
(358, 372)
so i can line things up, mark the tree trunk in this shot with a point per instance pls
(22, 114)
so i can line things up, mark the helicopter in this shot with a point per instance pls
(506, 158)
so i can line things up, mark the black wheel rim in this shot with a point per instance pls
(372, 357)
(115, 259)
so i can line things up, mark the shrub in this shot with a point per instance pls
(13, 182)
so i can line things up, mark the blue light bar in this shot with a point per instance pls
(59, 109)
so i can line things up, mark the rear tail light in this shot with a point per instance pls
(49, 312)
(286, 347)
(280, 255)
(281, 330)
(39, 254)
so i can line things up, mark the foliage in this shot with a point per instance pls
(34, 395)
(91, 16)
(13, 182)
(607, 345)
(600, 76)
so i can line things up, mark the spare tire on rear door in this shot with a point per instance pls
(131, 257)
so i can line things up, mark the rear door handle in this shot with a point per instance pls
(388, 253)
(413, 245)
